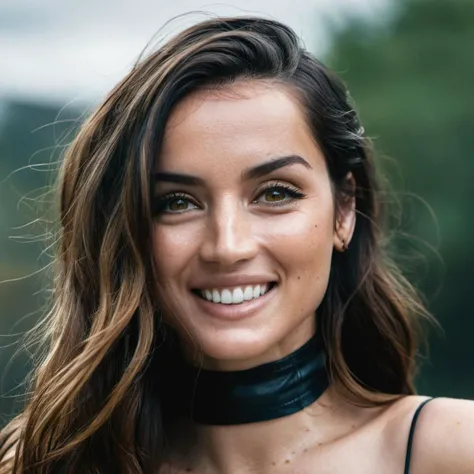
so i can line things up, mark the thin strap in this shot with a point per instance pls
(412, 432)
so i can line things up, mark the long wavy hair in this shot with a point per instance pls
(96, 405)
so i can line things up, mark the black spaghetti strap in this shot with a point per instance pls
(411, 434)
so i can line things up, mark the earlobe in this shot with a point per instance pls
(341, 243)
(344, 246)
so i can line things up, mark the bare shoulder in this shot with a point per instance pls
(443, 440)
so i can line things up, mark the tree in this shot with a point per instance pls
(412, 81)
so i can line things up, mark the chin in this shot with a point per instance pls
(234, 350)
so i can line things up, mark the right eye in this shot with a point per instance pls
(174, 203)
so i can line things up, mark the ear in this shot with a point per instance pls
(345, 214)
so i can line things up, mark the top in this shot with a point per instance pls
(411, 435)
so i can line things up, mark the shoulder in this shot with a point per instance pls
(443, 439)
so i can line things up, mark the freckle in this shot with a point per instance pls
(287, 461)
(315, 225)
(320, 444)
(299, 277)
(307, 430)
(273, 463)
(304, 450)
(292, 452)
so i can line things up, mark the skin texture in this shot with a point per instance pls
(230, 229)
(226, 227)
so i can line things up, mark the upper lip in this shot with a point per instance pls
(225, 281)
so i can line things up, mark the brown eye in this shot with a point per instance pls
(179, 204)
(174, 204)
(278, 195)
(274, 195)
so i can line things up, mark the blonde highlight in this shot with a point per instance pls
(95, 399)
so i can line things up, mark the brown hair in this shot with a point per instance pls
(94, 406)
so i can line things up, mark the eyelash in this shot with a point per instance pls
(292, 192)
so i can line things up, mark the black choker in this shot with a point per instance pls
(266, 392)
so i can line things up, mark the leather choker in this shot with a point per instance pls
(265, 392)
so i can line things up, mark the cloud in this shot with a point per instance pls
(62, 51)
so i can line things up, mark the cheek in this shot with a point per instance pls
(303, 246)
(302, 235)
(173, 249)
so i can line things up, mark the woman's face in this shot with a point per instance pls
(245, 225)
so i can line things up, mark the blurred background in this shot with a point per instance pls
(409, 65)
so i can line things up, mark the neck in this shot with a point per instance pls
(266, 392)
(255, 418)
(264, 446)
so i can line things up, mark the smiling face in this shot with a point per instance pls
(245, 225)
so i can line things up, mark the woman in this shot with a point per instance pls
(223, 303)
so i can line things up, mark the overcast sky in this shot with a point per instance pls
(76, 50)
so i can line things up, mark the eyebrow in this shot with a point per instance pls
(179, 178)
(273, 165)
(250, 173)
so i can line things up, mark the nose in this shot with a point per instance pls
(229, 237)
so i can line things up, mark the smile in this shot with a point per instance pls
(235, 295)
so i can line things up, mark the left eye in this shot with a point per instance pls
(278, 194)
(275, 195)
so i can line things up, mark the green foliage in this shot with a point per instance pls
(32, 137)
(413, 85)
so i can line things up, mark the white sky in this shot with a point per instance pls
(66, 50)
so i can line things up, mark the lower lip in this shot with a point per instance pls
(232, 312)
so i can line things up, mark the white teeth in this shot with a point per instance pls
(216, 297)
(248, 293)
(226, 297)
(235, 295)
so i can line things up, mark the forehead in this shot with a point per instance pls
(235, 124)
